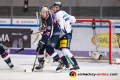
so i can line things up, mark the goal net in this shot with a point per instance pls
(103, 39)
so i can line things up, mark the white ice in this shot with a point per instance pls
(22, 62)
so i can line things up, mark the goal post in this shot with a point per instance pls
(113, 54)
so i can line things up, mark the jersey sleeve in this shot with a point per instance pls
(59, 18)
(72, 19)
(49, 31)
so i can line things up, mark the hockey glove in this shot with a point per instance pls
(41, 43)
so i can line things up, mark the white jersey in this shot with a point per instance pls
(65, 21)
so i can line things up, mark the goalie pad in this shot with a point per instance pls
(36, 39)
(95, 55)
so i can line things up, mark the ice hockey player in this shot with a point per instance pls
(5, 57)
(65, 21)
(50, 37)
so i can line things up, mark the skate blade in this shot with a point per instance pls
(78, 70)
(66, 68)
(38, 70)
(59, 71)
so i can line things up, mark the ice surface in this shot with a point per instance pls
(22, 62)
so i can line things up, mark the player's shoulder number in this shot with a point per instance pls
(65, 17)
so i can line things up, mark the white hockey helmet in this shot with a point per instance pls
(45, 8)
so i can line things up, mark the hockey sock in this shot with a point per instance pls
(6, 58)
(74, 60)
(40, 53)
(64, 60)
(41, 59)
(52, 53)
(69, 56)
(69, 60)
(56, 58)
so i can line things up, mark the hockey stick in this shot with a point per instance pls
(96, 54)
(22, 49)
(95, 36)
(35, 60)
(36, 32)
(37, 26)
(31, 70)
(38, 36)
(38, 49)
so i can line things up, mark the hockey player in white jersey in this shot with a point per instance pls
(65, 20)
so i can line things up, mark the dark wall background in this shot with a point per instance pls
(81, 9)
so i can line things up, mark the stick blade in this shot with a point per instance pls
(22, 49)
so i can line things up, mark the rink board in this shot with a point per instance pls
(81, 44)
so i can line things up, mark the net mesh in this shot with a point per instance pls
(115, 51)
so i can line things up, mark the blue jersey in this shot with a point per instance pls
(51, 27)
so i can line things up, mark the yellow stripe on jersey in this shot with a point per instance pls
(63, 43)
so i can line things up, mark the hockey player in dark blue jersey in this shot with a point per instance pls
(5, 57)
(50, 37)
